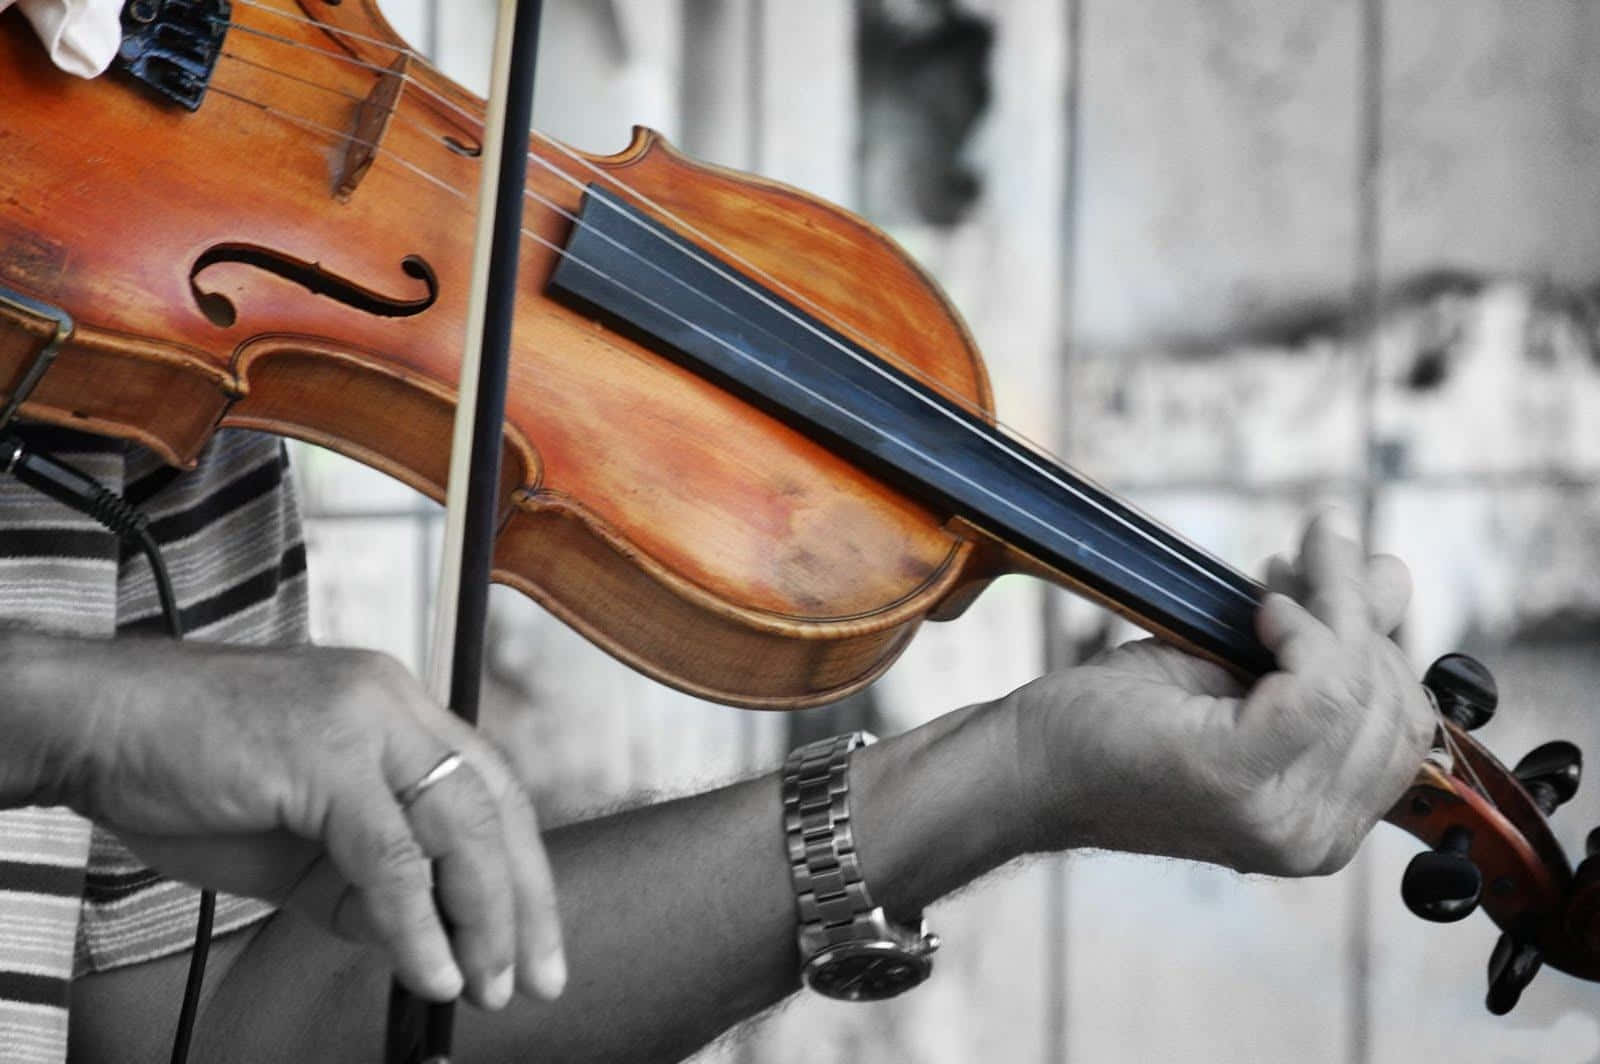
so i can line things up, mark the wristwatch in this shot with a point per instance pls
(848, 948)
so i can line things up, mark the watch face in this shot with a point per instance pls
(866, 972)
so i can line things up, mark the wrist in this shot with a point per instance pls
(934, 808)
(46, 721)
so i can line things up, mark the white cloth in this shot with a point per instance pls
(82, 36)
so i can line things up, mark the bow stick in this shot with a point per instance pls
(420, 1032)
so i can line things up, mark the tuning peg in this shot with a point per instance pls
(1465, 691)
(1443, 885)
(1588, 870)
(1550, 773)
(1583, 910)
(1512, 966)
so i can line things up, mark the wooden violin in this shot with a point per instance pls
(749, 446)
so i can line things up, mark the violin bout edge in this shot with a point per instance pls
(683, 637)
(159, 396)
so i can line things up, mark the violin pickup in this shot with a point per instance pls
(171, 46)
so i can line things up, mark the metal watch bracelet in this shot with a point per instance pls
(837, 916)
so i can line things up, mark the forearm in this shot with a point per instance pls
(679, 917)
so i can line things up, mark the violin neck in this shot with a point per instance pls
(1105, 550)
(736, 331)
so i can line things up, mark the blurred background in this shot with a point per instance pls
(1229, 257)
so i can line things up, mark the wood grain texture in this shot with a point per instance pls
(752, 525)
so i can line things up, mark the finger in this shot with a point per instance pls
(1388, 591)
(1393, 736)
(457, 822)
(1273, 727)
(541, 966)
(1282, 577)
(1301, 643)
(541, 962)
(373, 849)
(1331, 561)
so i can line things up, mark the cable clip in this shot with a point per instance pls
(42, 360)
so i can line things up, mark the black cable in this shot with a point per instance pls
(83, 493)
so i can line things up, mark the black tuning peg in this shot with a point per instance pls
(1465, 691)
(1550, 774)
(1443, 885)
(1512, 966)
(1588, 871)
(1589, 868)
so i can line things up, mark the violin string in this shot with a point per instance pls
(1450, 743)
(889, 437)
(297, 78)
(1458, 758)
(470, 119)
(565, 213)
(1027, 453)
(290, 42)
(1031, 450)
(1471, 774)
(312, 126)
(1249, 590)
(324, 27)
(1035, 463)
(1050, 475)
(1460, 766)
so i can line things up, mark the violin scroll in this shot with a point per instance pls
(1491, 845)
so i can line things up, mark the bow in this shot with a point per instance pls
(419, 1031)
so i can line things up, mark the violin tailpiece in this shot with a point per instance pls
(172, 46)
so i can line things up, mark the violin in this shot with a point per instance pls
(749, 445)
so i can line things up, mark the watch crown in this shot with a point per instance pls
(931, 942)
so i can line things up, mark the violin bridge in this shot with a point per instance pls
(372, 121)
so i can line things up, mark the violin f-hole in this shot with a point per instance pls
(220, 311)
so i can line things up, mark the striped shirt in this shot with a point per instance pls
(73, 900)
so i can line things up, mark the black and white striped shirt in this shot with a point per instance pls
(72, 899)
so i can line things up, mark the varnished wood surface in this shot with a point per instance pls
(111, 199)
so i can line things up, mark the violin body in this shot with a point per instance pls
(702, 541)
(695, 474)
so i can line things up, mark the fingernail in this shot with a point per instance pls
(550, 975)
(446, 983)
(497, 995)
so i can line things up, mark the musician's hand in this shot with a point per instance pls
(274, 773)
(1149, 750)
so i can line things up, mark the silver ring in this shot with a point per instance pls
(407, 796)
